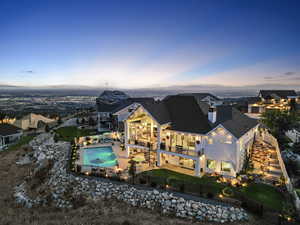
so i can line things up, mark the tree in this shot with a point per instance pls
(47, 128)
(279, 122)
(92, 121)
(293, 105)
(2, 116)
(59, 121)
(132, 169)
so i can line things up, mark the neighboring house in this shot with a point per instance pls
(273, 99)
(204, 97)
(107, 103)
(181, 132)
(9, 134)
(34, 121)
(127, 106)
(294, 135)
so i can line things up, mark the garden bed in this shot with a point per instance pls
(254, 194)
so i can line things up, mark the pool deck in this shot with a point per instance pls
(121, 155)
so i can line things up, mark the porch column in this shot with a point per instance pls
(197, 167)
(126, 138)
(151, 130)
(158, 137)
(249, 108)
(99, 122)
(158, 155)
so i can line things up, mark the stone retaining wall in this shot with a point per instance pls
(62, 184)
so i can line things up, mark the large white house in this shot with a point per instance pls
(182, 132)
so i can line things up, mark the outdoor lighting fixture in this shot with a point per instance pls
(87, 173)
(244, 184)
(221, 196)
(167, 186)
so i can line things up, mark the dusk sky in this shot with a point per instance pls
(149, 43)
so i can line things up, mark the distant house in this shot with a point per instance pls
(294, 135)
(184, 134)
(34, 121)
(9, 134)
(273, 100)
(210, 99)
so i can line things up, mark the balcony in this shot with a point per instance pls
(180, 150)
(143, 144)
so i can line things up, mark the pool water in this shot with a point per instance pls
(99, 157)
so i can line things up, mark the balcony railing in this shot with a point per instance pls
(146, 144)
(180, 150)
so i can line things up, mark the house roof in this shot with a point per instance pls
(234, 121)
(129, 101)
(200, 96)
(158, 110)
(252, 100)
(186, 114)
(277, 93)
(8, 129)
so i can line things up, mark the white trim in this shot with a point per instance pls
(220, 126)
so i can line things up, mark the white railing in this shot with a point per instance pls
(273, 141)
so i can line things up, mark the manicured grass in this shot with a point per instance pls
(264, 194)
(23, 141)
(205, 180)
(69, 133)
(260, 193)
(298, 192)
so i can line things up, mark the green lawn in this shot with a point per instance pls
(261, 193)
(264, 194)
(216, 187)
(298, 192)
(23, 141)
(69, 133)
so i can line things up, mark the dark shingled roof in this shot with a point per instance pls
(199, 96)
(8, 129)
(280, 93)
(158, 110)
(130, 101)
(186, 114)
(234, 121)
(112, 108)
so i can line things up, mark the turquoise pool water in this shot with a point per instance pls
(99, 157)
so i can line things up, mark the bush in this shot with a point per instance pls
(228, 192)
(210, 195)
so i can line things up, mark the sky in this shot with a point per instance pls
(157, 43)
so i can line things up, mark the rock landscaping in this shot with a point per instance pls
(54, 186)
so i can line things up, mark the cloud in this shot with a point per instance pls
(289, 73)
(28, 71)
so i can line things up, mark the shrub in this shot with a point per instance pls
(228, 192)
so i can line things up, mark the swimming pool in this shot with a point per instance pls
(99, 157)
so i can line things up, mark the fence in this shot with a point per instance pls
(272, 140)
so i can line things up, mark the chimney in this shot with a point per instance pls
(212, 114)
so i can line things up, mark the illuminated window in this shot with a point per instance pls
(225, 166)
(211, 164)
(228, 139)
(210, 141)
